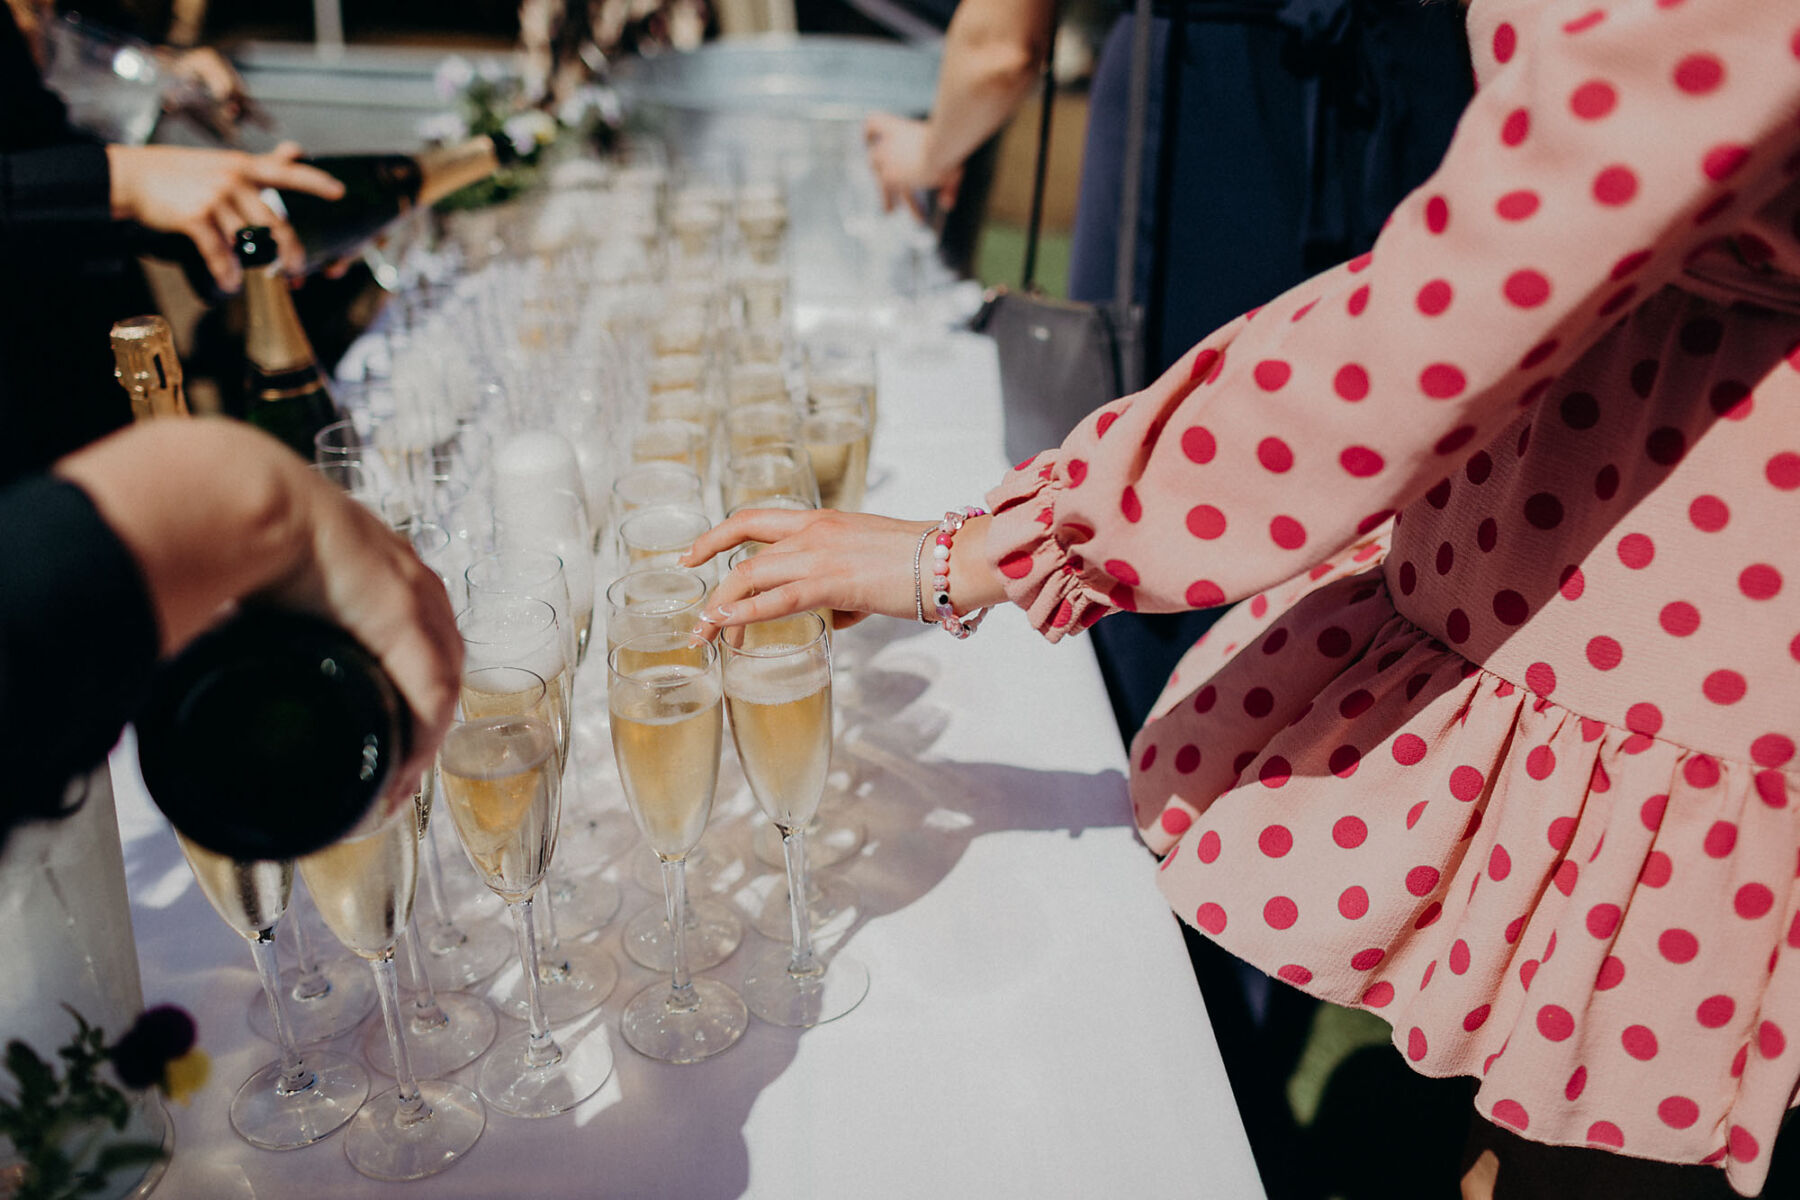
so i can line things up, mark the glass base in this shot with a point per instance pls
(437, 1050)
(828, 843)
(381, 1148)
(656, 1029)
(458, 956)
(270, 1120)
(832, 906)
(341, 1007)
(714, 934)
(572, 980)
(781, 997)
(511, 1085)
(583, 902)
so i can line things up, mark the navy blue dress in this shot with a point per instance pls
(1300, 124)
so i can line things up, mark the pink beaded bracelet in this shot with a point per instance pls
(955, 626)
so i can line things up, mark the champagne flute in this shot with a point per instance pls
(649, 485)
(667, 727)
(668, 600)
(297, 1099)
(364, 886)
(751, 427)
(772, 472)
(444, 1030)
(753, 383)
(659, 537)
(325, 998)
(501, 785)
(778, 692)
(558, 523)
(836, 431)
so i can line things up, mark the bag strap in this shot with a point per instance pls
(1156, 300)
(1128, 322)
(1047, 99)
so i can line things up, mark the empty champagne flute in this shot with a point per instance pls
(364, 886)
(297, 1099)
(778, 693)
(667, 730)
(501, 784)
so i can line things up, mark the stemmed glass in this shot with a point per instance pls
(778, 692)
(836, 429)
(445, 1030)
(773, 471)
(297, 1099)
(659, 537)
(667, 726)
(364, 886)
(668, 600)
(502, 785)
(325, 997)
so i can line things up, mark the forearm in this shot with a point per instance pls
(993, 52)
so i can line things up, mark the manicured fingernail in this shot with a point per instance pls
(719, 614)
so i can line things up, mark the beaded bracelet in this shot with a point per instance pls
(955, 626)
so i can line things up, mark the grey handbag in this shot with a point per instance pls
(1060, 359)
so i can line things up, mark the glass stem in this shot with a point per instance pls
(296, 1076)
(413, 1108)
(312, 982)
(682, 997)
(426, 1014)
(541, 1049)
(445, 936)
(793, 852)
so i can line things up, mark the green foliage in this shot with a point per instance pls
(49, 1112)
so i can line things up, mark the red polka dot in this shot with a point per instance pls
(1349, 832)
(1759, 581)
(1708, 513)
(1148, 758)
(1517, 206)
(1367, 960)
(1209, 847)
(1715, 1011)
(1606, 482)
(1272, 374)
(1077, 472)
(1742, 1145)
(1605, 1133)
(1644, 718)
(1783, 470)
(1353, 902)
(1275, 840)
(1281, 913)
(1296, 974)
(1205, 521)
(1351, 382)
(1187, 759)
(1721, 839)
(1526, 289)
(1630, 263)
(1698, 74)
(1441, 381)
(1499, 863)
(1651, 814)
(1636, 551)
(1211, 918)
(1511, 1112)
(1437, 214)
(1540, 678)
(1434, 297)
(1446, 558)
(1359, 300)
(1539, 764)
(1129, 506)
(1416, 1048)
(1593, 100)
(1360, 262)
(1175, 821)
(1356, 703)
(1466, 783)
(1604, 653)
(1456, 626)
(1658, 867)
(1287, 533)
(1678, 945)
(1516, 128)
(1274, 454)
(1122, 571)
(1602, 919)
(1459, 957)
(1421, 881)
(1723, 161)
(1543, 511)
(1198, 444)
(1679, 618)
(1615, 185)
(1638, 1040)
(1379, 996)
(1476, 1018)
(1612, 973)
(1753, 900)
(1409, 748)
(1580, 410)
(1510, 608)
(1724, 687)
(1204, 593)
(1772, 749)
(1555, 1023)
(1565, 883)
(1770, 1041)
(1678, 1112)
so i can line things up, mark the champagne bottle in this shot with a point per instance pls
(271, 736)
(285, 391)
(147, 368)
(380, 189)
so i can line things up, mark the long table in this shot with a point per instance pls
(1032, 1030)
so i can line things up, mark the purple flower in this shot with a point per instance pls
(158, 1037)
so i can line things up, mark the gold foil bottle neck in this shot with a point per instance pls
(146, 366)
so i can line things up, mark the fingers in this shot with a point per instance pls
(279, 169)
(751, 525)
(217, 253)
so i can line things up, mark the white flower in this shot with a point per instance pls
(444, 128)
(492, 70)
(530, 129)
(590, 101)
(452, 76)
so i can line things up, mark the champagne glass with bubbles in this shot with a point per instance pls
(364, 887)
(297, 1099)
(667, 729)
(502, 785)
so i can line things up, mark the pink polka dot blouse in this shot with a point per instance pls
(1500, 742)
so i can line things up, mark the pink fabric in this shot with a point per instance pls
(1522, 782)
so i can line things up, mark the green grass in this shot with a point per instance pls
(1000, 257)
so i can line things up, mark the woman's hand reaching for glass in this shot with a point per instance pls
(853, 563)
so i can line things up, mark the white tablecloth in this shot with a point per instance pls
(1033, 1028)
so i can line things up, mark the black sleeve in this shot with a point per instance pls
(78, 640)
(55, 192)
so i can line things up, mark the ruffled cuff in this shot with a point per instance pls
(1042, 577)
